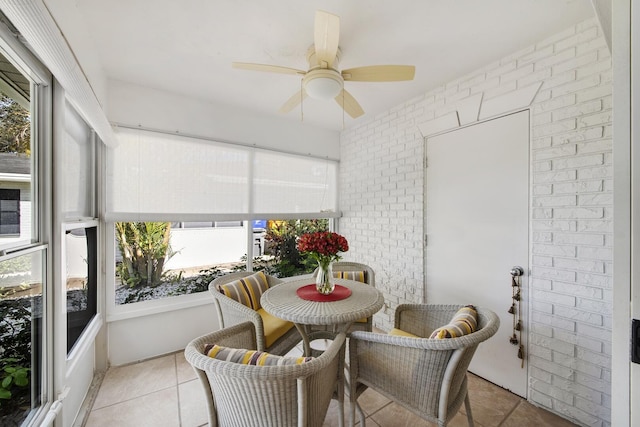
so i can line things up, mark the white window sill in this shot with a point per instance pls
(162, 305)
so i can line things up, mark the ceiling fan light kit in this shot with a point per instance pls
(322, 83)
(322, 80)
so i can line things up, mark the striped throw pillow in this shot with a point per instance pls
(248, 290)
(464, 322)
(251, 357)
(358, 276)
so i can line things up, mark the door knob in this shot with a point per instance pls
(517, 271)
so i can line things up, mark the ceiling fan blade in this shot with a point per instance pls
(267, 68)
(294, 101)
(349, 103)
(326, 37)
(380, 73)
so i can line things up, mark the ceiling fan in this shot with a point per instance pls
(323, 80)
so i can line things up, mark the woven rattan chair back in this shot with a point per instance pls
(261, 396)
(425, 376)
(231, 312)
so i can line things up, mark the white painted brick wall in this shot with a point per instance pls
(381, 196)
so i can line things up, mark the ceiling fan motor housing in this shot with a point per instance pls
(323, 83)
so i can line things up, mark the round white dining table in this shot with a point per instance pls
(283, 301)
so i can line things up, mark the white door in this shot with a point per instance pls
(477, 225)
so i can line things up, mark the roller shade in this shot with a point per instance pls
(158, 175)
(78, 159)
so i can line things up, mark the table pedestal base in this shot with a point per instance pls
(309, 334)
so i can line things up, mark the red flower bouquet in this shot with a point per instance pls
(323, 246)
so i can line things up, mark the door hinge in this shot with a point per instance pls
(426, 162)
(635, 341)
(425, 240)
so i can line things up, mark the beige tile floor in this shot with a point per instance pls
(165, 392)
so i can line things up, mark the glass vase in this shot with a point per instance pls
(324, 279)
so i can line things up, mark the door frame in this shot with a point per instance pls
(525, 279)
(626, 283)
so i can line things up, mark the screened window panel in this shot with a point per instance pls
(158, 173)
(293, 184)
(151, 172)
(78, 166)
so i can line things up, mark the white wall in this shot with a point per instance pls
(382, 184)
(150, 108)
(151, 335)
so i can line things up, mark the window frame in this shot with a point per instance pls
(41, 107)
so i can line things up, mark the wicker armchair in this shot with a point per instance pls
(370, 279)
(231, 312)
(279, 396)
(426, 376)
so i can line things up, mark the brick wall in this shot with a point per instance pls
(382, 184)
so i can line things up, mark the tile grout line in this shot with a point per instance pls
(511, 412)
(175, 369)
(132, 398)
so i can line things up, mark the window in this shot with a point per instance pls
(21, 334)
(156, 260)
(218, 200)
(24, 298)
(9, 212)
(81, 253)
(16, 179)
(148, 268)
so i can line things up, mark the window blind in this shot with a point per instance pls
(78, 152)
(157, 175)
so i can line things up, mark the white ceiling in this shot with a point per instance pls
(187, 46)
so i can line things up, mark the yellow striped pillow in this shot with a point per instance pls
(358, 276)
(248, 290)
(251, 357)
(464, 322)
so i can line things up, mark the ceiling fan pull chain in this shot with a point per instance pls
(342, 109)
(301, 102)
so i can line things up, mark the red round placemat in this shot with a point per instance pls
(310, 293)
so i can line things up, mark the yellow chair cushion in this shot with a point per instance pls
(274, 327)
(401, 333)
